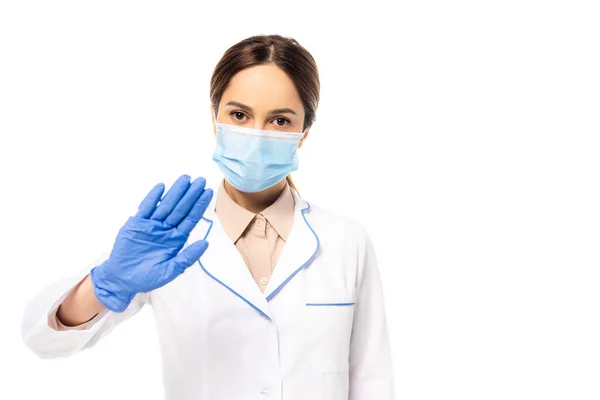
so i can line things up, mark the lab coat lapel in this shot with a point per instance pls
(223, 263)
(299, 250)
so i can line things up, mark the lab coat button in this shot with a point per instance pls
(264, 392)
(264, 280)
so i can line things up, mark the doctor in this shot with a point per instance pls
(256, 293)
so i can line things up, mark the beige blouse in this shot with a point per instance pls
(258, 237)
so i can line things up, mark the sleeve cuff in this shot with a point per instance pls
(55, 323)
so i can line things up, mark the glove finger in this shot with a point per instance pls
(184, 259)
(172, 197)
(148, 205)
(186, 203)
(195, 215)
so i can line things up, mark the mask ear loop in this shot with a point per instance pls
(302, 134)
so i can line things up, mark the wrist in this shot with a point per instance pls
(112, 296)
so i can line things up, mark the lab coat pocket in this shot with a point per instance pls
(336, 385)
(329, 315)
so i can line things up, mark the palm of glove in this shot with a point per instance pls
(147, 252)
(143, 252)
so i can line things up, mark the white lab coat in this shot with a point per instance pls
(318, 332)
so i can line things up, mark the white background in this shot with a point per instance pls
(464, 135)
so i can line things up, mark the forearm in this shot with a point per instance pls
(81, 305)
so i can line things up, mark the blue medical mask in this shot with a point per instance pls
(253, 159)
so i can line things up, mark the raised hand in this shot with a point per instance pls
(147, 250)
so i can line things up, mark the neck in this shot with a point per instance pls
(255, 202)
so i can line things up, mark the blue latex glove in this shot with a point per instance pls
(146, 253)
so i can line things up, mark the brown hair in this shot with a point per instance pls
(284, 52)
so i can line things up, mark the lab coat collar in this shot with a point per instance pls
(223, 262)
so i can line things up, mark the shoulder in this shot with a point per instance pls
(334, 224)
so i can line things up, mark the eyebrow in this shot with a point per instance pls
(249, 109)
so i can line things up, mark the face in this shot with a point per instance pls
(262, 97)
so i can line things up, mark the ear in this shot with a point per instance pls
(303, 137)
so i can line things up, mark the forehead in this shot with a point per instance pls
(263, 87)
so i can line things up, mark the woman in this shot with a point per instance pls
(285, 303)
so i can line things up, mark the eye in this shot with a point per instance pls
(281, 121)
(237, 115)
